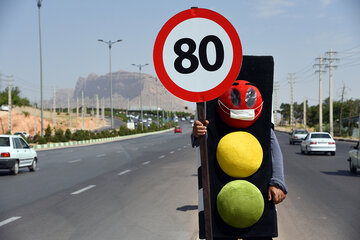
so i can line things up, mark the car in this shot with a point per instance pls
(318, 142)
(25, 134)
(4, 108)
(178, 129)
(15, 153)
(297, 136)
(354, 158)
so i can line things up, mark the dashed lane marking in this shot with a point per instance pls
(145, 163)
(74, 161)
(124, 172)
(172, 152)
(179, 149)
(83, 189)
(162, 156)
(101, 155)
(9, 220)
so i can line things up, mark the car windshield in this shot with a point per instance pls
(300, 132)
(320, 135)
(4, 142)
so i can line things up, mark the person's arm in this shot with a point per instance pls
(277, 188)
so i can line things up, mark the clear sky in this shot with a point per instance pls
(294, 32)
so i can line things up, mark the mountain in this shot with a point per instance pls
(127, 88)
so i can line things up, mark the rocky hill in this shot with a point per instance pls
(127, 87)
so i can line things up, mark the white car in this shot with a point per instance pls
(318, 142)
(354, 158)
(15, 153)
(22, 133)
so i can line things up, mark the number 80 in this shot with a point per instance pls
(194, 62)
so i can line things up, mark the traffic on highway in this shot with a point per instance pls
(146, 187)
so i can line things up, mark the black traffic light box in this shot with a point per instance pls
(259, 71)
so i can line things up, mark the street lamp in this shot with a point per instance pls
(41, 75)
(109, 43)
(141, 109)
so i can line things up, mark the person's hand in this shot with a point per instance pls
(276, 194)
(199, 129)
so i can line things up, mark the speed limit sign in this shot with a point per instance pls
(197, 55)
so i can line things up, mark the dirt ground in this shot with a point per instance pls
(29, 120)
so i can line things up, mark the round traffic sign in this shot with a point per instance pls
(197, 55)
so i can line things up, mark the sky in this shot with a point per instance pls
(294, 32)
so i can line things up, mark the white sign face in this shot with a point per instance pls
(197, 55)
(196, 30)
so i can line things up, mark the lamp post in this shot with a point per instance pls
(110, 43)
(141, 109)
(41, 75)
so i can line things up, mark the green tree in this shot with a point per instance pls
(16, 100)
(48, 133)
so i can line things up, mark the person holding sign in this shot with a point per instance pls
(240, 166)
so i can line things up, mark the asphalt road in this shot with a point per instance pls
(143, 188)
(324, 197)
(146, 188)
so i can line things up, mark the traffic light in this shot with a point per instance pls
(239, 157)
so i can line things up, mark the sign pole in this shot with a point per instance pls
(205, 174)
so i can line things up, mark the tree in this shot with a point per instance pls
(15, 97)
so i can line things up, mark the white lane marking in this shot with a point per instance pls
(83, 190)
(101, 155)
(162, 156)
(9, 221)
(179, 149)
(124, 172)
(74, 161)
(184, 146)
(172, 152)
(145, 163)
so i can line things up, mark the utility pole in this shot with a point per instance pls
(69, 111)
(82, 110)
(97, 111)
(41, 73)
(341, 108)
(54, 109)
(320, 71)
(291, 101)
(276, 88)
(9, 103)
(140, 66)
(330, 59)
(35, 117)
(103, 111)
(304, 113)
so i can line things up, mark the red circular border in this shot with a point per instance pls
(159, 61)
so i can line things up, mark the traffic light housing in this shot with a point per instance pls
(257, 70)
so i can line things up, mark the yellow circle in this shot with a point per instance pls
(239, 154)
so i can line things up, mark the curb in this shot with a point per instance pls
(49, 146)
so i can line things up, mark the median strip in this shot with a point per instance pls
(9, 221)
(83, 190)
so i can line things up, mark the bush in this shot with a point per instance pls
(59, 135)
(68, 135)
(48, 133)
(42, 140)
(27, 114)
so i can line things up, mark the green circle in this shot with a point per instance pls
(240, 204)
